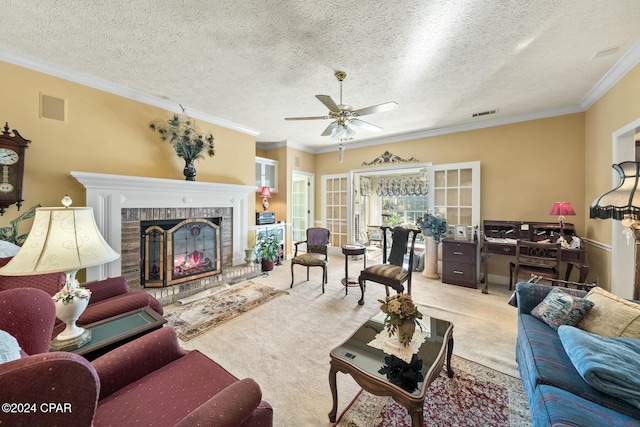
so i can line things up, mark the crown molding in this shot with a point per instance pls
(125, 92)
(629, 60)
(453, 129)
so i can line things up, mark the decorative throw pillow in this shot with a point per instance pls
(8, 249)
(559, 308)
(611, 316)
(9, 347)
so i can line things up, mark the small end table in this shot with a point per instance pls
(352, 249)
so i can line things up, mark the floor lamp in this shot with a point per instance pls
(623, 204)
(63, 240)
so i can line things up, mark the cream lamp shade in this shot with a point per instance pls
(61, 240)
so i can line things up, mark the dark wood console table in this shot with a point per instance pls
(500, 239)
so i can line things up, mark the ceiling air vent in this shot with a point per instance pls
(485, 113)
(605, 52)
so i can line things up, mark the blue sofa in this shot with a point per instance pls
(557, 394)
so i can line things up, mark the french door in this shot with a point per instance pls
(302, 192)
(336, 202)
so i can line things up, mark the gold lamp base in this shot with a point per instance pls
(72, 343)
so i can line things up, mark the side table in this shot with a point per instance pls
(352, 249)
(110, 333)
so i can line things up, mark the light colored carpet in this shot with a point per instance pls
(284, 344)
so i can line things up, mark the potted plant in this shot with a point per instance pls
(267, 247)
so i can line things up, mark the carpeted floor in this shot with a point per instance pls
(284, 343)
(475, 396)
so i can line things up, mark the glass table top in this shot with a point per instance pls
(376, 363)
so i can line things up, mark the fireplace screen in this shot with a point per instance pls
(179, 250)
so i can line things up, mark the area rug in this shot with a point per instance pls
(192, 320)
(476, 396)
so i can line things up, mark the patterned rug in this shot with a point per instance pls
(476, 396)
(194, 319)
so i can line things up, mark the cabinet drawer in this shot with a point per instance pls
(459, 252)
(459, 274)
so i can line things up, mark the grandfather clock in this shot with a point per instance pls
(12, 163)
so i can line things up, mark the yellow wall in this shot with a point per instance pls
(103, 133)
(614, 110)
(525, 167)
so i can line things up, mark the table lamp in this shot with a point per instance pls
(63, 240)
(623, 204)
(265, 193)
(562, 209)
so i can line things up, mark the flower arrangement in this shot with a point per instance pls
(66, 296)
(402, 315)
(181, 133)
(433, 225)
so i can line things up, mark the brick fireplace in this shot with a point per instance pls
(121, 203)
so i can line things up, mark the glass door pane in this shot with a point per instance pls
(336, 210)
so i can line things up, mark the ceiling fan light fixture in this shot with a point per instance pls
(342, 132)
(344, 115)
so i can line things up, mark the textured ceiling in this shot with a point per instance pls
(255, 62)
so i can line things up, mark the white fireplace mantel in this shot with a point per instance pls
(109, 194)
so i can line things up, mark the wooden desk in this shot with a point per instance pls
(500, 239)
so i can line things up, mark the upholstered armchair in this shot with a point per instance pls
(109, 297)
(317, 243)
(148, 381)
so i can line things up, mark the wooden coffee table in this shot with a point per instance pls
(110, 333)
(356, 358)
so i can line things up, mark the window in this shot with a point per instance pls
(456, 192)
(398, 210)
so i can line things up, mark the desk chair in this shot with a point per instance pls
(541, 259)
(316, 256)
(392, 272)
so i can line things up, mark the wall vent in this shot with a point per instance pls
(52, 108)
(485, 113)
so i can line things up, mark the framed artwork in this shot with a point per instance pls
(460, 232)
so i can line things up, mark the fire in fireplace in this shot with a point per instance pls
(176, 251)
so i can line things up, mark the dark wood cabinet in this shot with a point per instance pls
(459, 262)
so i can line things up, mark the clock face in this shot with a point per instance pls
(8, 157)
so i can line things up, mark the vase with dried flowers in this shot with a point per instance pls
(401, 317)
(187, 142)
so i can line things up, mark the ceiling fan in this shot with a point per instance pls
(345, 116)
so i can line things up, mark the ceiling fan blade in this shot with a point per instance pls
(329, 129)
(308, 118)
(364, 125)
(380, 108)
(328, 102)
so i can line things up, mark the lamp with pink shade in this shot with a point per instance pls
(265, 193)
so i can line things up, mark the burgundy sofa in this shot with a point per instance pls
(150, 381)
(109, 297)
